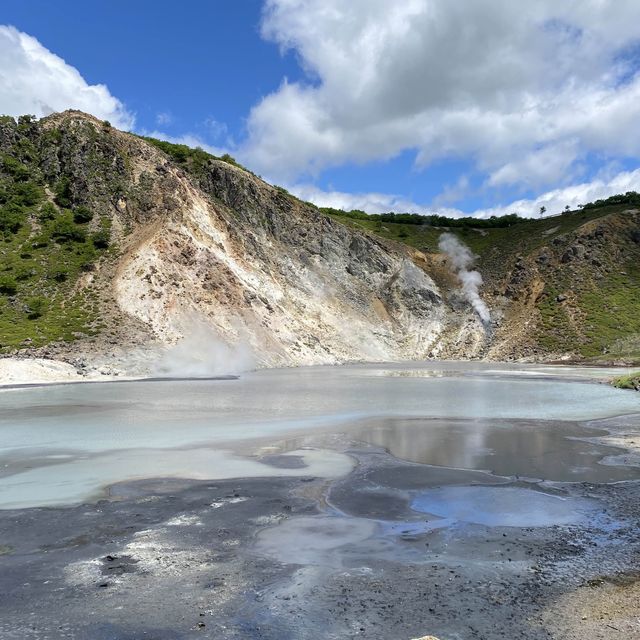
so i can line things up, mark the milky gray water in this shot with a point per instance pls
(66, 443)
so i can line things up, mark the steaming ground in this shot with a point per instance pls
(461, 259)
(506, 515)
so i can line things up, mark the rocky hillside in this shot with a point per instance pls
(562, 287)
(115, 247)
(111, 244)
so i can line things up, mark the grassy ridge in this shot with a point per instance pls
(521, 237)
(46, 244)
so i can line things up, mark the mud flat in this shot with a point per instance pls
(384, 527)
(392, 550)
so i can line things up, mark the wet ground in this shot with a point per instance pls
(393, 550)
(388, 527)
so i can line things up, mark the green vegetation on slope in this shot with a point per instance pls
(521, 235)
(45, 245)
(195, 160)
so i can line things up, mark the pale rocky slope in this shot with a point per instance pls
(226, 256)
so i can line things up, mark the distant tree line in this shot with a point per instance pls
(433, 220)
(630, 197)
(494, 222)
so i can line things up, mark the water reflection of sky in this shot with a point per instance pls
(109, 421)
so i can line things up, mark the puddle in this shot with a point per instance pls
(315, 540)
(542, 450)
(502, 506)
(85, 478)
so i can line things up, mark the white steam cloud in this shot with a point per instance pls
(461, 259)
(202, 354)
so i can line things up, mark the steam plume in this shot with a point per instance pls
(201, 353)
(461, 259)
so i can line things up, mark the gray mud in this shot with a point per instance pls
(394, 550)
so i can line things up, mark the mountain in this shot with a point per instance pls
(115, 247)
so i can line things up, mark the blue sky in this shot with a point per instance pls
(478, 107)
(196, 65)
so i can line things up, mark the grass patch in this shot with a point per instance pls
(631, 381)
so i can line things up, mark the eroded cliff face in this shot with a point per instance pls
(256, 266)
(294, 285)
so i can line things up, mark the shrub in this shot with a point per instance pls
(229, 159)
(87, 256)
(48, 211)
(11, 219)
(82, 214)
(8, 285)
(630, 197)
(631, 381)
(36, 306)
(100, 239)
(27, 193)
(15, 168)
(40, 242)
(59, 274)
(63, 193)
(64, 229)
(25, 273)
(26, 119)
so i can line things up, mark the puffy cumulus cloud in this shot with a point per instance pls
(541, 167)
(494, 80)
(573, 195)
(369, 202)
(33, 80)
(554, 201)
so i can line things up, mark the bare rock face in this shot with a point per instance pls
(262, 268)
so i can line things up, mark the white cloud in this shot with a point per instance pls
(496, 81)
(453, 192)
(555, 200)
(35, 81)
(550, 164)
(164, 118)
(216, 129)
(369, 202)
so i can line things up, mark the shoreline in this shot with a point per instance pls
(20, 372)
